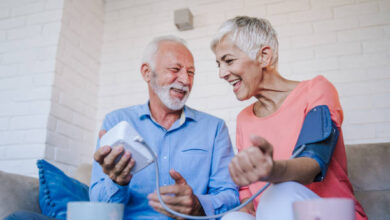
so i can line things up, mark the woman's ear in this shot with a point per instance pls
(264, 56)
(146, 72)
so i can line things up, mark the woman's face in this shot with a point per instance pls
(243, 73)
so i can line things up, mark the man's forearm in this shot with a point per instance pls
(106, 190)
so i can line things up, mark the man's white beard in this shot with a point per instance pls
(163, 93)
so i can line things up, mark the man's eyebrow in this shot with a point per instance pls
(178, 64)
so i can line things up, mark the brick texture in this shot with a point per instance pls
(27, 63)
(75, 87)
(49, 66)
(347, 41)
(64, 64)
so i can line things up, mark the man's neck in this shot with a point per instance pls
(163, 115)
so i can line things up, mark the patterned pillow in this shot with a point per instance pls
(56, 189)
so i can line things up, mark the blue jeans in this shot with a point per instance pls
(27, 215)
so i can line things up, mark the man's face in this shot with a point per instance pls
(173, 74)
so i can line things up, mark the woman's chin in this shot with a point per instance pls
(241, 97)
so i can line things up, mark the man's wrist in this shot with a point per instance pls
(198, 209)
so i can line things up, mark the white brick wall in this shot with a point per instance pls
(71, 134)
(64, 64)
(27, 60)
(348, 41)
(49, 65)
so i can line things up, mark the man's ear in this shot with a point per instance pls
(146, 72)
(264, 56)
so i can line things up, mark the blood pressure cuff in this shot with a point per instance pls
(318, 138)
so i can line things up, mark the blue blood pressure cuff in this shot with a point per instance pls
(318, 138)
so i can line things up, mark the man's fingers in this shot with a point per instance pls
(262, 143)
(171, 189)
(179, 179)
(122, 163)
(101, 133)
(158, 207)
(154, 202)
(129, 167)
(171, 200)
(109, 160)
(101, 153)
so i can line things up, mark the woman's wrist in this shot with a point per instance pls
(278, 171)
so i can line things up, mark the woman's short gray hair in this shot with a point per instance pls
(152, 47)
(249, 34)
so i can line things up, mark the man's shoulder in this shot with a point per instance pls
(204, 116)
(125, 112)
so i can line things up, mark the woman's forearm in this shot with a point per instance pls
(302, 170)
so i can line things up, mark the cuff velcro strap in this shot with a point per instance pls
(319, 135)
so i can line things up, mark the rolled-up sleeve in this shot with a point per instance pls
(223, 193)
(103, 189)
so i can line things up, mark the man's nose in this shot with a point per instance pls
(184, 77)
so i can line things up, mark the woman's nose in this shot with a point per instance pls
(223, 72)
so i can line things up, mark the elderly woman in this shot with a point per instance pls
(287, 115)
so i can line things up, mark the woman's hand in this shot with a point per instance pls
(253, 164)
(249, 208)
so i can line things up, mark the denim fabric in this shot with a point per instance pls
(27, 215)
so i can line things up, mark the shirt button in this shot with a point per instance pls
(165, 157)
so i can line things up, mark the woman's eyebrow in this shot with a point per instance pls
(224, 56)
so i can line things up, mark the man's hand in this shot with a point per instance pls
(119, 172)
(253, 164)
(178, 197)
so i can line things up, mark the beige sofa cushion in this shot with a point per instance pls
(18, 192)
(368, 171)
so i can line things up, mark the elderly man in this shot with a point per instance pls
(193, 148)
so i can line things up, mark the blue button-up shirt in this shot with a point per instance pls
(197, 146)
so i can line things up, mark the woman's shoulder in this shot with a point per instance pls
(323, 92)
(246, 112)
(320, 82)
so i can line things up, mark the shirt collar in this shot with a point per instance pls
(188, 112)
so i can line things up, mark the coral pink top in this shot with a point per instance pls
(282, 129)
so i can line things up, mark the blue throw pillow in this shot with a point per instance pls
(56, 189)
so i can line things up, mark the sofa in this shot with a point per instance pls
(18, 192)
(368, 168)
(369, 173)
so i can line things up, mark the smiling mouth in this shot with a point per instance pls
(236, 84)
(179, 93)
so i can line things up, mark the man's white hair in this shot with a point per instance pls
(249, 34)
(152, 47)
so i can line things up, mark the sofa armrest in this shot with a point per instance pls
(18, 192)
